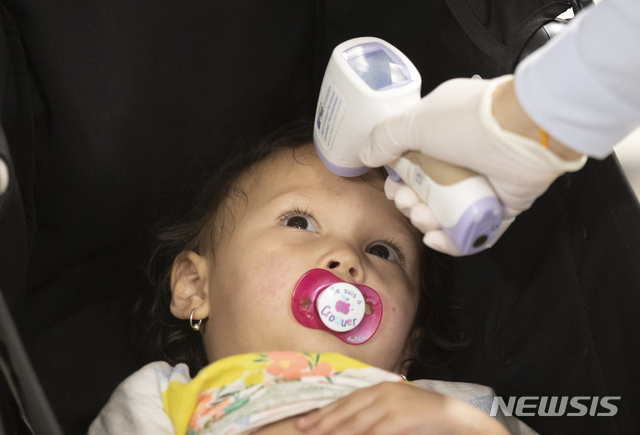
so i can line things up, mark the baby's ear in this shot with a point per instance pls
(190, 286)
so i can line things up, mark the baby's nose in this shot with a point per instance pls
(345, 263)
(336, 266)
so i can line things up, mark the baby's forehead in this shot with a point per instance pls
(299, 172)
(302, 163)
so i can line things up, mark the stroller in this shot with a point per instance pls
(106, 108)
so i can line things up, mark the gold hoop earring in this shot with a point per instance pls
(194, 326)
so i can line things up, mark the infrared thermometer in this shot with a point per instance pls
(367, 80)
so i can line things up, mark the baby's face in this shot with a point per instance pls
(299, 216)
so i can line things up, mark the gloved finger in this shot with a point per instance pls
(391, 187)
(423, 219)
(406, 200)
(439, 241)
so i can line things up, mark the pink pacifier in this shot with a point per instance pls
(351, 312)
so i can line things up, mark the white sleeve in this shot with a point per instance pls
(583, 87)
(135, 407)
(481, 397)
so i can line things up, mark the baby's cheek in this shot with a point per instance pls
(276, 275)
(401, 311)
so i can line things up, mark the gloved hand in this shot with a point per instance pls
(454, 123)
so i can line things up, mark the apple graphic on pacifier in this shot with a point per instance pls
(351, 312)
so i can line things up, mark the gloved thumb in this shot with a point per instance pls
(386, 142)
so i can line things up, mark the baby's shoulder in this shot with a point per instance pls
(136, 405)
(155, 377)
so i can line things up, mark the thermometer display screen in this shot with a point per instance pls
(379, 70)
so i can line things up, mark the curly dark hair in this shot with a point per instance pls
(170, 339)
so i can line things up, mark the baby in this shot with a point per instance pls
(236, 300)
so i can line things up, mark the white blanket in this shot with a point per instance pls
(142, 403)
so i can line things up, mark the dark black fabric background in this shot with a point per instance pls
(113, 109)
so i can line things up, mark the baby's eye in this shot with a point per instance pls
(299, 222)
(384, 252)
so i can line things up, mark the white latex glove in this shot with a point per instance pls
(454, 123)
